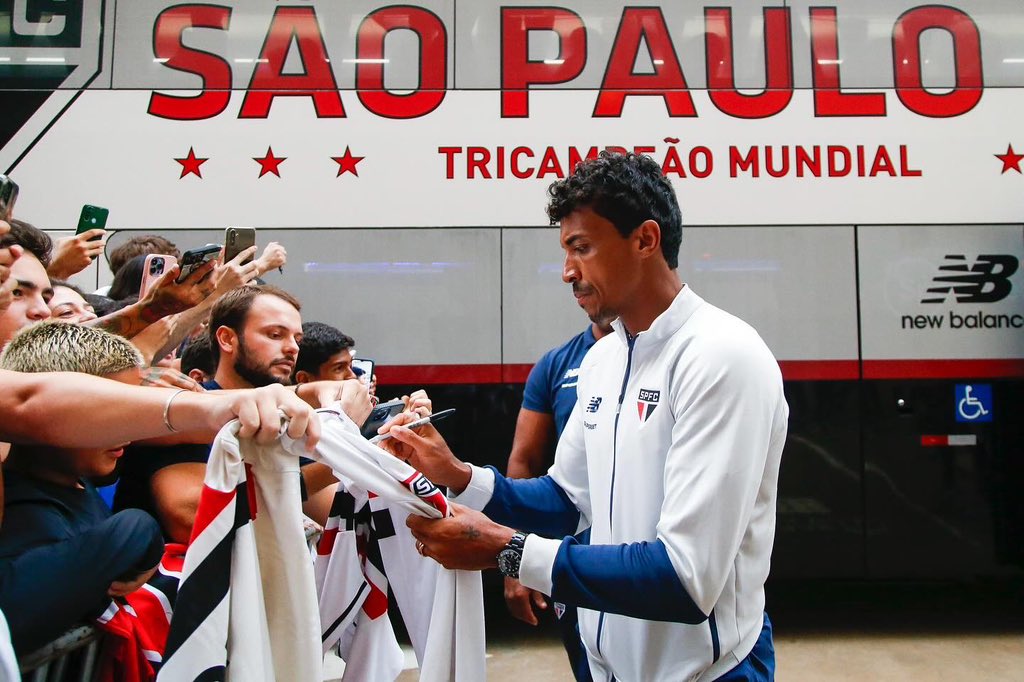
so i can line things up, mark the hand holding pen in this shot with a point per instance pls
(423, 421)
(414, 440)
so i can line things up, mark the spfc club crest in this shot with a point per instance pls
(646, 402)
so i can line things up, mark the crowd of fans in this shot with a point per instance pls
(187, 357)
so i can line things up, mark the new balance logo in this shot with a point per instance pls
(646, 402)
(986, 281)
(593, 404)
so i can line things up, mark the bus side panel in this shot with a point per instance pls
(942, 316)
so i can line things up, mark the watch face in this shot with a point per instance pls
(508, 562)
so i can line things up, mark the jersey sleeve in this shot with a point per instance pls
(634, 579)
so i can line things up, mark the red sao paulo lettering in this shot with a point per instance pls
(640, 28)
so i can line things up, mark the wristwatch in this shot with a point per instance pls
(511, 556)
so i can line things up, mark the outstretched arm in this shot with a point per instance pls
(77, 410)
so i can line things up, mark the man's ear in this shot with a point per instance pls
(227, 339)
(648, 236)
(198, 375)
(303, 377)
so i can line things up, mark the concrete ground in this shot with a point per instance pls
(841, 633)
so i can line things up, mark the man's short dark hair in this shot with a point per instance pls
(30, 238)
(199, 355)
(101, 305)
(142, 245)
(232, 310)
(67, 285)
(626, 190)
(319, 342)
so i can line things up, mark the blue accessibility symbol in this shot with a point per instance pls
(973, 402)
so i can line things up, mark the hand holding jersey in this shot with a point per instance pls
(351, 393)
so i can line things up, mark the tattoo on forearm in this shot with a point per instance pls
(471, 533)
(118, 323)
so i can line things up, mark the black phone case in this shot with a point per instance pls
(379, 416)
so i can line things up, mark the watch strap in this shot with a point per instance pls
(511, 556)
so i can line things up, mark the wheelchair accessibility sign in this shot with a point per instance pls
(973, 402)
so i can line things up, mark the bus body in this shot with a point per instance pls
(849, 173)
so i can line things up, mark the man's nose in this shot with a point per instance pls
(570, 273)
(38, 310)
(291, 346)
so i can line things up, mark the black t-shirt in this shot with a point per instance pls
(38, 513)
(140, 462)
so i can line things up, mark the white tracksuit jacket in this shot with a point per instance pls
(676, 437)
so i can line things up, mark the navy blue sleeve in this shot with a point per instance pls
(532, 505)
(537, 392)
(635, 580)
(46, 590)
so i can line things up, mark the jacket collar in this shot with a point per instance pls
(669, 321)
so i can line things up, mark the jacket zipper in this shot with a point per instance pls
(615, 443)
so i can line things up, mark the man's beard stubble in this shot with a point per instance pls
(256, 375)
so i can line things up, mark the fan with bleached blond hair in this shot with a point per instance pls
(63, 347)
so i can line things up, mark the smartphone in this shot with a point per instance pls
(437, 416)
(237, 240)
(155, 265)
(8, 197)
(363, 369)
(379, 416)
(91, 218)
(193, 259)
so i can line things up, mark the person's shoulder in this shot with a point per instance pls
(33, 508)
(570, 348)
(557, 358)
(719, 339)
(21, 489)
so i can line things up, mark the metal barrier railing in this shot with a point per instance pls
(72, 657)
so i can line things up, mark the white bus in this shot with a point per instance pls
(850, 175)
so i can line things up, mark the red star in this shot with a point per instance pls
(1009, 159)
(269, 163)
(191, 164)
(347, 163)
